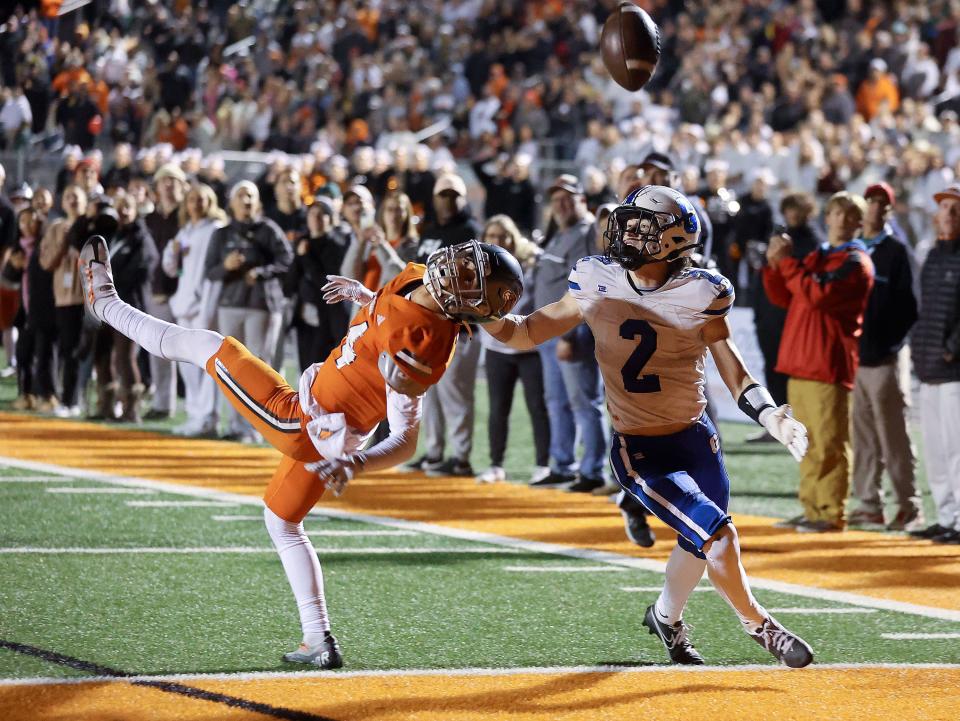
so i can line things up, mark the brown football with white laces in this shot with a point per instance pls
(630, 46)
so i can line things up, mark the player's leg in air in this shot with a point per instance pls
(264, 398)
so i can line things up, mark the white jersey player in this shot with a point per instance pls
(654, 318)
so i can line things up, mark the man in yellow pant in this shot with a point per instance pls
(825, 295)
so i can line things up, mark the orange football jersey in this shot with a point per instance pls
(420, 341)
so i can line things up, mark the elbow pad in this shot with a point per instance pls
(756, 402)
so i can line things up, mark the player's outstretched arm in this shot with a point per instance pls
(752, 398)
(525, 332)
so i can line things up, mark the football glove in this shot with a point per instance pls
(338, 289)
(335, 473)
(781, 424)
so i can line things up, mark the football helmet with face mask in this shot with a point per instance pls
(474, 282)
(654, 223)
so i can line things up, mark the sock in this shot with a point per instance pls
(728, 577)
(684, 571)
(157, 337)
(302, 567)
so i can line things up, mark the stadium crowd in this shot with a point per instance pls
(393, 129)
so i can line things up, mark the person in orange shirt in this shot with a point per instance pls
(877, 88)
(397, 345)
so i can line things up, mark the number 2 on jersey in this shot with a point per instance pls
(348, 355)
(633, 382)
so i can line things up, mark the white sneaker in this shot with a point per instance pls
(96, 276)
(539, 473)
(493, 474)
(8, 371)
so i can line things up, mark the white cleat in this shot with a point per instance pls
(96, 276)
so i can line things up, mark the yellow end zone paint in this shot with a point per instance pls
(860, 694)
(872, 564)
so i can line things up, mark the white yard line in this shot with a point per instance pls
(594, 556)
(259, 518)
(189, 550)
(818, 611)
(918, 636)
(181, 504)
(104, 490)
(479, 672)
(560, 569)
(657, 589)
(34, 479)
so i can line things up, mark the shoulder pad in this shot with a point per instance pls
(397, 378)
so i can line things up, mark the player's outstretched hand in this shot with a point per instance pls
(336, 473)
(338, 289)
(781, 424)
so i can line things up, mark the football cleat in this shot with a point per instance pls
(638, 529)
(96, 276)
(788, 648)
(675, 638)
(325, 655)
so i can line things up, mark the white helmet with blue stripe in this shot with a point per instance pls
(654, 223)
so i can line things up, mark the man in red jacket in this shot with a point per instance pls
(825, 295)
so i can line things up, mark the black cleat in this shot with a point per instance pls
(638, 530)
(674, 639)
(788, 648)
(585, 485)
(554, 480)
(325, 655)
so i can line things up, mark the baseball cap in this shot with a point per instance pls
(450, 181)
(658, 160)
(362, 192)
(326, 206)
(951, 191)
(567, 182)
(881, 189)
(170, 170)
(330, 190)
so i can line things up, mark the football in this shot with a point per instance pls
(630, 46)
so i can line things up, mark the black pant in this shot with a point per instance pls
(69, 330)
(503, 369)
(768, 338)
(314, 343)
(34, 353)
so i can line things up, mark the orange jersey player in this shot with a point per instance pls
(398, 345)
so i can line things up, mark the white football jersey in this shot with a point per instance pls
(648, 341)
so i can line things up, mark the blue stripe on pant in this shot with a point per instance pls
(680, 478)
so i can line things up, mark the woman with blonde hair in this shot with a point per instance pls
(504, 366)
(194, 303)
(381, 250)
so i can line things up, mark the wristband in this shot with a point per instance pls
(754, 400)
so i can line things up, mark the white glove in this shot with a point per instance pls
(781, 424)
(338, 289)
(336, 473)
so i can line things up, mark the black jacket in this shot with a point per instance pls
(459, 230)
(265, 249)
(892, 307)
(938, 327)
(133, 255)
(518, 199)
(307, 275)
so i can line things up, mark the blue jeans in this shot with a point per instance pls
(574, 394)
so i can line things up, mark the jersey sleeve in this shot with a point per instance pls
(422, 349)
(586, 278)
(718, 299)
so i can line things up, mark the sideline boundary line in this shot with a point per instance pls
(474, 672)
(554, 549)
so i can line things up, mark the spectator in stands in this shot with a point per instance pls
(248, 256)
(133, 256)
(504, 366)
(320, 327)
(164, 223)
(881, 389)
(798, 210)
(878, 91)
(121, 171)
(193, 304)
(9, 294)
(935, 345)
(825, 295)
(722, 207)
(508, 188)
(72, 155)
(752, 225)
(574, 392)
(58, 255)
(449, 405)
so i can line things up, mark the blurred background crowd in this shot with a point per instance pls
(237, 153)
